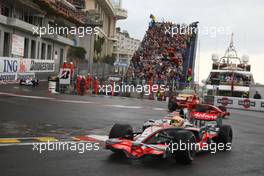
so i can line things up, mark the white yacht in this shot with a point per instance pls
(230, 75)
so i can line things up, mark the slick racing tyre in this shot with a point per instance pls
(225, 136)
(185, 155)
(172, 106)
(121, 131)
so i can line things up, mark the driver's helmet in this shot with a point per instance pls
(177, 122)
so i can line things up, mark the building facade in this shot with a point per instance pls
(124, 50)
(24, 51)
(105, 14)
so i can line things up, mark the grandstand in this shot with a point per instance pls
(164, 58)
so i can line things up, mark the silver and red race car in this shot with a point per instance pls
(160, 138)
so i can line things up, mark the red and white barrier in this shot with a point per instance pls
(240, 103)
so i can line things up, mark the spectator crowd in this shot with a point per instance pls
(228, 78)
(161, 56)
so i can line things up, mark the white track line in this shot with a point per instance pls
(34, 143)
(75, 101)
(122, 106)
(98, 137)
(159, 109)
(26, 96)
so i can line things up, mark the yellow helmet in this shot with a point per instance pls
(177, 122)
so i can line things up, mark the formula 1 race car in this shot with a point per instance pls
(162, 139)
(206, 110)
(184, 99)
(29, 82)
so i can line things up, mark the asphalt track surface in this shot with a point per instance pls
(82, 115)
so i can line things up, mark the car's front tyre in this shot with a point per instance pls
(185, 155)
(121, 131)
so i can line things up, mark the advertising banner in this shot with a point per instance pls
(240, 103)
(14, 66)
(38, 66)
(8, 77)
(9, 65)
(65, 76)
(21, 65)
(18, 43)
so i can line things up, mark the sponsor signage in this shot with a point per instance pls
(20, 65)
(246, 103)
(9, 65)
(8, 76)
(240, 103)
(225, 101)
(18, 43)
(12, 69)
(204, 116)
(42, 66)
(65, 76)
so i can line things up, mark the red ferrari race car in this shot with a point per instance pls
(206, 110)
(162, 138)
(184, 99)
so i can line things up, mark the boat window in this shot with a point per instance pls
(228, 78)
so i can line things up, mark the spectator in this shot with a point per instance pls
(257, 96)
(161, 55)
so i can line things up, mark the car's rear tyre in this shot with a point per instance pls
(185, 155)
(121, 131)
(172, 106)
(225, 136)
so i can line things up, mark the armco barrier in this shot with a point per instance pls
(240, 103)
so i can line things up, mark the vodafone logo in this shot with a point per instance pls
(204, 116)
